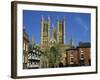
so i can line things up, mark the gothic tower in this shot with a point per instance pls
(53, 39)
(54, 33)
(45, 31)
(61, 31)
(71, 42)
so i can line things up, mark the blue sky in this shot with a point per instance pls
(78, 25)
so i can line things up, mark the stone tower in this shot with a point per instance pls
(53, 39)
(45, 31)
(54, 33)
(71, 42)
(61, 31)
(58, 32)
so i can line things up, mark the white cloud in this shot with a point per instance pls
(82, 23)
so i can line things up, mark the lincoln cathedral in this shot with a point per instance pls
(52, 37)
(58, 31)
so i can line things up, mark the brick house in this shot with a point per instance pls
(79, 56)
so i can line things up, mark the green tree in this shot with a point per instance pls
(52, 56)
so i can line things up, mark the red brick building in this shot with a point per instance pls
(79, 56)
(72, 57)
(84, 54)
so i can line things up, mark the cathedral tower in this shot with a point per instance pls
(53, 39)
(71, 42)
(61, 31)
(45, 31)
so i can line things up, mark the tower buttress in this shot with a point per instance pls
(57, 29)
(64, 30)
(42, 24)
(48, 29)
